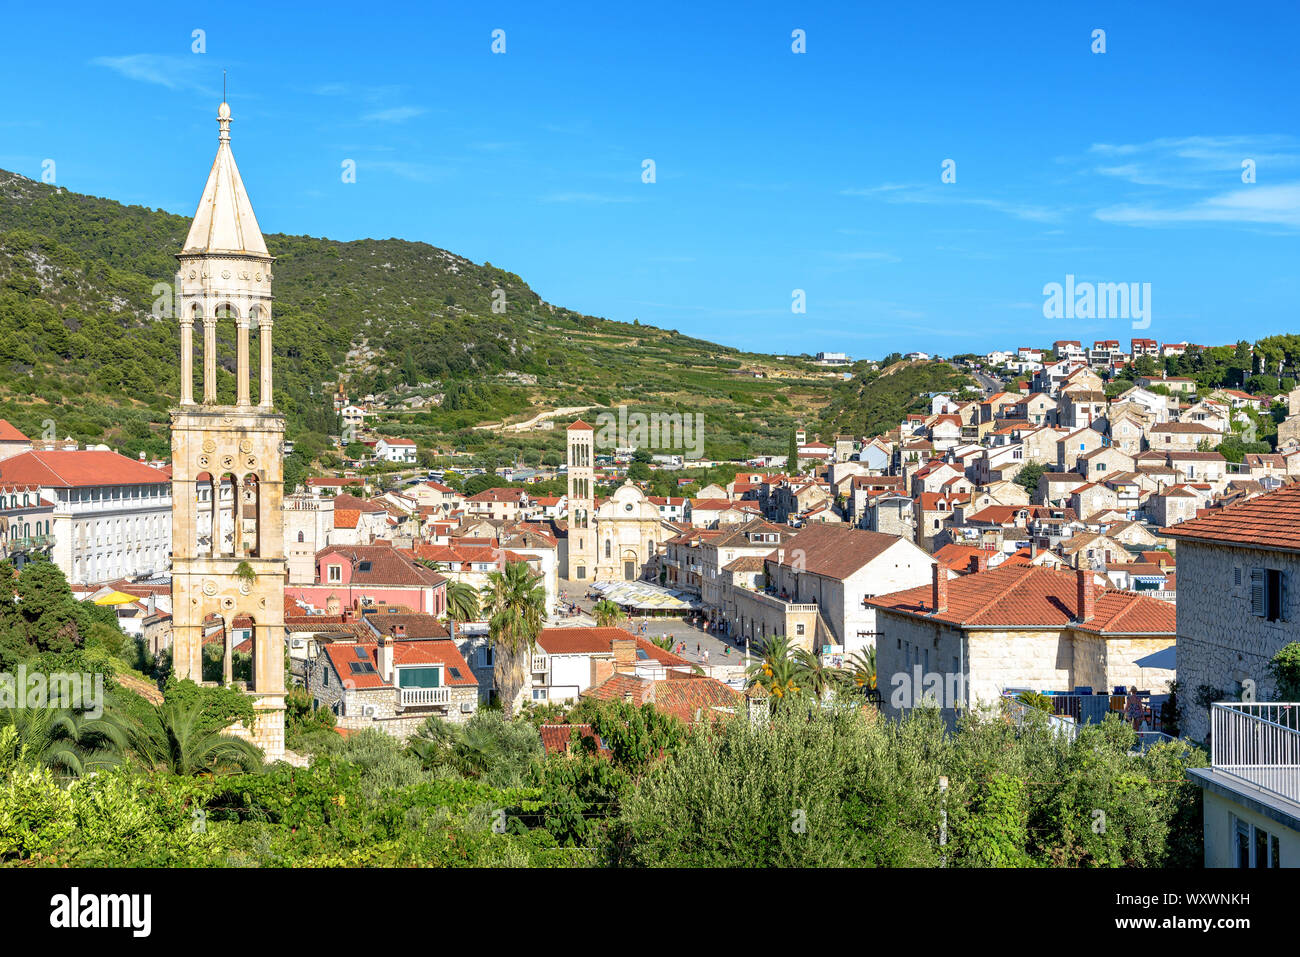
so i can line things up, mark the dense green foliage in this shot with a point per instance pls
(872, 403)
(81, 344)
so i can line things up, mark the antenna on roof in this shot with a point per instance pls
(223, 87)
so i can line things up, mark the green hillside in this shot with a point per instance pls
(80, 348)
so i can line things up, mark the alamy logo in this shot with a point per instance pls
(928, 689)
(77, 910)
(78, 692)
(657, 430)
(1102, 300)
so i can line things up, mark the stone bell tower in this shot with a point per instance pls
(228, 561)
(582, 503)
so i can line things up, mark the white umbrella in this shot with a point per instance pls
(1165, 658)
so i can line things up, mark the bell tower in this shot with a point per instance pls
(582, 503)
(228, 561)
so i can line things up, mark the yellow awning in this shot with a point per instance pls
(115, 598)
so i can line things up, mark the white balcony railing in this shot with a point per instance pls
(1258, 743)
(539, 664)
(423, 696)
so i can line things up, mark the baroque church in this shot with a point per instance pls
(615, 539)
(228, 556)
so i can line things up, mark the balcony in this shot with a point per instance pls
(418, 697)
(1258, 744)
(29, 543)
(540, 664)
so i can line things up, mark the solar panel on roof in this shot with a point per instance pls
(640, 653)
(363, 668)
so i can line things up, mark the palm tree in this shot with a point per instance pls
(462, 602)
(862, 670)
(777, 671)
(176, 736)
(514, 602)
(666, 642)
(607, 613)
(67, 740)
(817, 676)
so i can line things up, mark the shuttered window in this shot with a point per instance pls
(1267, 593)
(1257, 592)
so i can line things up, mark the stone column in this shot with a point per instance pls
(264, 357)
(227, 667)
(241, 338)
(187, 361)
(209, 360)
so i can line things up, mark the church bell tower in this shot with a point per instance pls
(228, 561)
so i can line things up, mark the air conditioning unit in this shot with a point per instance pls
(466, 707)
(368, 711)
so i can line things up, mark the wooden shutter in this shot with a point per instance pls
(1257, 606)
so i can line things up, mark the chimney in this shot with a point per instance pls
(385, 655)
(399, 632)
(1087, 600)
(1033, 549)
(978, 563)
(142, 457)
(601, 668)
(939, 588)
(624, 654)
(332, 605)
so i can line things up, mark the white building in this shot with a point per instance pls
(395, 450)
(112, 515)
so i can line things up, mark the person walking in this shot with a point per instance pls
(1134, 707)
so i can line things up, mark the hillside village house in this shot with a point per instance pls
(1014, 627)
(506, 504)
(395, 450)
(816, 584)
(111, 515)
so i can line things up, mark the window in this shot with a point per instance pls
(335, 573)
(1254, 846)
(419, 677)
(1267, 593)
(798, 629)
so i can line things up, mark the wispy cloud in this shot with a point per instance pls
(1192, 162)
(1251, 205)
(394, 114)
(951, 194)
(173, 72)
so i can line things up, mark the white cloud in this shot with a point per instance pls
(1252, 205)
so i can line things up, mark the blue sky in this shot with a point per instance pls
(775, 171)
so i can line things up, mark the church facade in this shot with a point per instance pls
(228, 556)
(618, 538)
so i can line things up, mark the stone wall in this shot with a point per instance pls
(1220, 642)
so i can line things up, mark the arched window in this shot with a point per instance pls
(300, 537)
(609, 547)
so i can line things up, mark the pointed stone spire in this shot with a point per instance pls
(225, 222)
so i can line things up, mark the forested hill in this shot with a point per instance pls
(79, 345)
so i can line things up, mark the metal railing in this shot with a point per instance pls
(1258, 743)
(422, 696)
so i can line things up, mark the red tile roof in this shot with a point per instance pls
(9, 434)
(1271, 520)
(1017, 596)
(79, 468)
(436, 652)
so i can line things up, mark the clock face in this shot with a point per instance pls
(627, 507)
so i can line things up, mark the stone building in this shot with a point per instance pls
(1238, 603)
(1016, 626)
(394, 683)
(817, 586)
(225, 279)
